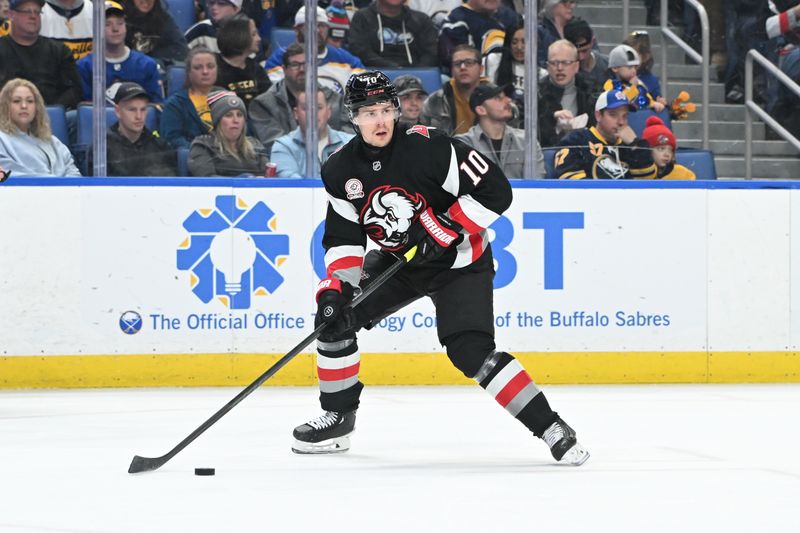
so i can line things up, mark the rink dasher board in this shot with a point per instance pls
(597, 282)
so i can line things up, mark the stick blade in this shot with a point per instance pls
(145, 464)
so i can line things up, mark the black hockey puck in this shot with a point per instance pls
(204, 471)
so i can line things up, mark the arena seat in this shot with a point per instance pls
(175, 78)
(637, 119)
(58, 123)
(183, 161)
(84, 137)
(701, 162)
(549, 155)
(281, 38)
(182, 12)
(430, 77)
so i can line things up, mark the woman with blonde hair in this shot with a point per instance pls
(227, 150)
(27, 145)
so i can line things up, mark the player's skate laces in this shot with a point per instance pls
(563, 444)
(328, 433)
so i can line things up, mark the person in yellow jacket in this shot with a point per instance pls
(623, 62)
(659, 136)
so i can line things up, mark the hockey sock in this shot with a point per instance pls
(337, 368)
(504, 378)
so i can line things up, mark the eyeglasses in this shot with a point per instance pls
(561, 63)
(465, 63)
(30, 12)
(294, 65)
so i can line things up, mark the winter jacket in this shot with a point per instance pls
(148, 156)
(439, 110)
(26, 155)
(205, 159)
(408, 40)
(511, 158)
(289, 152)
(550, 102)
(180, 123)
(271, 114)
(547, 34)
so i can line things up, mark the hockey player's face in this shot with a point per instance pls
(610, 121)
(376, 123)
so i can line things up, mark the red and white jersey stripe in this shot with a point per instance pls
(338, 373)
(345, 263)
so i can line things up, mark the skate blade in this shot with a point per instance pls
(336, 445)
(575, 456)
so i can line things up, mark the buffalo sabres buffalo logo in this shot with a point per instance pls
(606, 168)
(389, 213)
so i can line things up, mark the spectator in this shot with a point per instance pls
(289, 151)
(334, 65)
(338, 24)
(152, 31)
(594, 65)
(238, 39)
(45, 62)
(437, 10)
(553, 17)
(448, 108)
(640, 41)
(272, 113)
(132, 149)
(566, 98)
(663, 144)
(511, 69)
(745, 30)
(204, 33)
(478, 23)
(186, 114)
(785, 23)
(412, 95)
(69, 21)
(27, 146)
(5, 24)
(623, 62)
(492, 136)
(388, 34)
(227, 150)
(122, 63)
(609, 150)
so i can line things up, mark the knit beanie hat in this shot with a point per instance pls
(656, 133)
(221, 102)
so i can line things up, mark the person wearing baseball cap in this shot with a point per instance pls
(492, 136)
(122, 63)
(204, 33)
(623, 62)
(608, 150)
(133, 149)
(227, 150)
(412, 96)
(663, 143)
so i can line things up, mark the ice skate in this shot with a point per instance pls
(328, 433)
(563, 445)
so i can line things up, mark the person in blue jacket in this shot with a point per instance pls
(122, 63)
(186, 113)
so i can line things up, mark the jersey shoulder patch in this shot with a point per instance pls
(425, 131)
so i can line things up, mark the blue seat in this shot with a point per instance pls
(281, 38)
(84, 137)
(182, 12)
(701, 162)
(430, 77)
(637, 119)
(549, 163)
(175, 78)
(58, 123)
(183, 161)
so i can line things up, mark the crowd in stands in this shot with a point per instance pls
(242, 102)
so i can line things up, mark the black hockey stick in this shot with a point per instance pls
(147, 464)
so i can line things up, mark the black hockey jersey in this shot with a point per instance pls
(586, 154)
(379, 193)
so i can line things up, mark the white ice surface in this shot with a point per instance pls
(705, 458)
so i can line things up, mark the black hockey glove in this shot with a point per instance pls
(4, 175)
(433, 234)
(333, 295)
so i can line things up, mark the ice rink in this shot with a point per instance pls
(710, 458)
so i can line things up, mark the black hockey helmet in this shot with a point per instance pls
(367, 88)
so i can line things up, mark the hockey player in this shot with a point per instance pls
(609, 150)
(401, 186)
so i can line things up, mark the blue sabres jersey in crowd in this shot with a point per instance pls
(136, 67)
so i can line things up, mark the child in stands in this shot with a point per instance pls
(623, 63)
(662, 141)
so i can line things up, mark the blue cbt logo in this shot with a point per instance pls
(232, 252)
